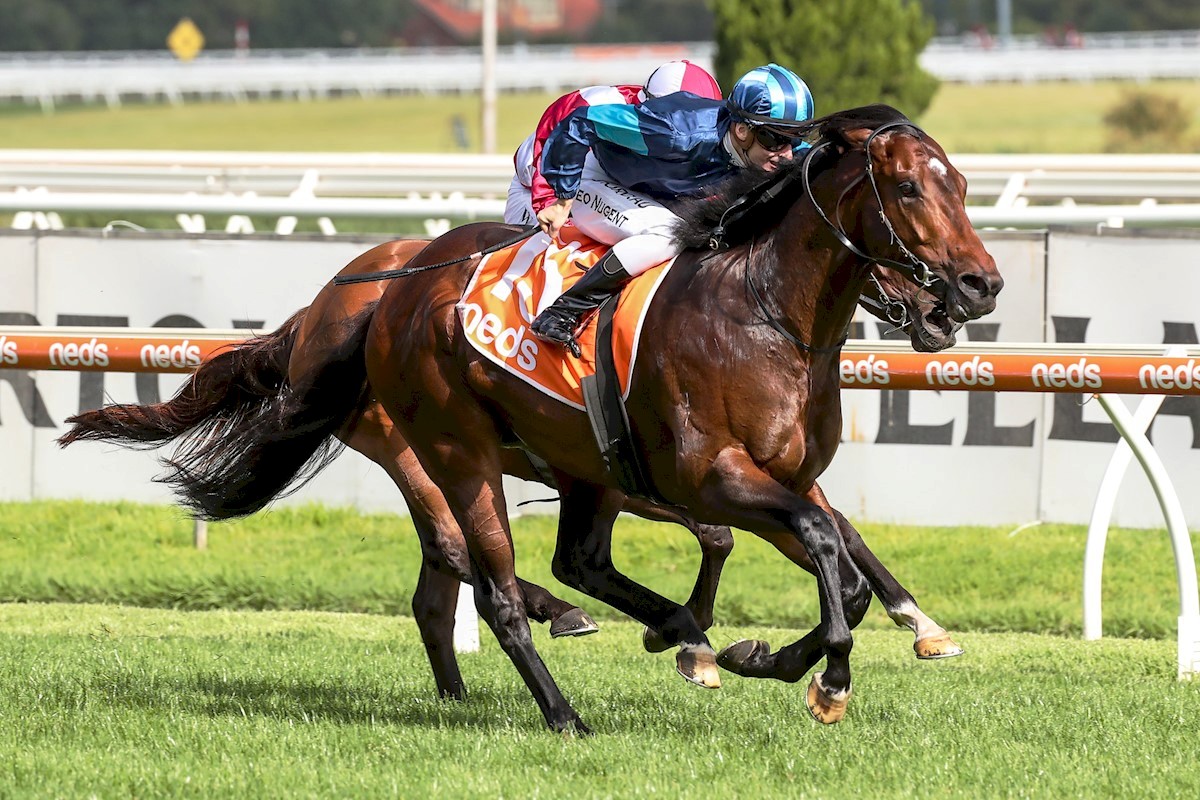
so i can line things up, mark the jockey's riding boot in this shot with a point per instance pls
(563, 317)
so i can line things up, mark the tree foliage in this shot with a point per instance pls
(850, 53)
(1142, 121)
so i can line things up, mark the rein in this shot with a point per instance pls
(777, 325)
(342, 280)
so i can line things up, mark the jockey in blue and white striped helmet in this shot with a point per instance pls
(771, 100)
(615, 168)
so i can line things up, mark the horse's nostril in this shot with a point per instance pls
(974, 285)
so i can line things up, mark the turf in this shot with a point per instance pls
(1001, 118)
(977, 579)
(106, 701)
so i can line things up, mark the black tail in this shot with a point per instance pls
(226, 386)
(246, 437)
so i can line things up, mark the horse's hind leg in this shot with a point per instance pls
(466, 465)
(375, 436)
(433, 605)
(931, 640)
(583, 560)
(716, 543)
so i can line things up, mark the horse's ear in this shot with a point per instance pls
(856, 138)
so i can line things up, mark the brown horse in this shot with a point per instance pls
(238, 382)
(736, 417)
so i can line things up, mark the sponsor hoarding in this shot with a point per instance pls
(942, 456)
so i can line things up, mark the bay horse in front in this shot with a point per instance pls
(734, 402)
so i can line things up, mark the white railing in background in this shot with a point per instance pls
(47, 79)
(38, 185)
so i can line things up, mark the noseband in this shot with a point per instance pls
(914, 268)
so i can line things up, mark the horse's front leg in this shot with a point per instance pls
(803, 530)
(716, 543)
(931, 640)
(583, 560)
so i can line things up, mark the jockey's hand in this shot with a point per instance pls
(553, 217)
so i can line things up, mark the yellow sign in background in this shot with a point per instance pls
(185, 40)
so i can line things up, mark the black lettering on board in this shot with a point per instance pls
(982, 430)
(147, 382)
(33, 407)
(91, 384)
(1067, 420)
(895, 426)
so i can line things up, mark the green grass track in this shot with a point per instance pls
(104, 701)
(322, 559)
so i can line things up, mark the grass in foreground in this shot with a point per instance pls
(977, 579)
(108, 701)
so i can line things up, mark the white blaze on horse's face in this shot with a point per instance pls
(937, 166)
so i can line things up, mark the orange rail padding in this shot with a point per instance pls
(96, 351)
(1022, 372)
(181, 351)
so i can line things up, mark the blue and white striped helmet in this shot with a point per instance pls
(771, 95)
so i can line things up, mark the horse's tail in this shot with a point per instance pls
(246, 436)
(226, 385)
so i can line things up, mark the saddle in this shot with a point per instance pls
(512, 286)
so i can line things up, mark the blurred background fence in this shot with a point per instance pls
(114, 77)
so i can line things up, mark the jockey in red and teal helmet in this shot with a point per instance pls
(642, 156)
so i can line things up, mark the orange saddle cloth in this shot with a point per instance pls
(512, 286)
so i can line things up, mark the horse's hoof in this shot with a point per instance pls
(739, 657)
(653, 641)
(575, 622)
(939, 646)
(825, 707)
(572, 728)
(698, 665)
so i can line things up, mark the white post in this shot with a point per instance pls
(488, 121)
(200, 534)
(1185, 565)
(1106, 498)
(466, 621)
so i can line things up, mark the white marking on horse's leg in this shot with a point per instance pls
(834, 695)
(908, 615)
(700, 649)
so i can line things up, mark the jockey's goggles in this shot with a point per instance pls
(774, 140)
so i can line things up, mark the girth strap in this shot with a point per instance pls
(606, 412)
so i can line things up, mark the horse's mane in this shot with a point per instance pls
(771, 193)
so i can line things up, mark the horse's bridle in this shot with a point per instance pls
(914, 269)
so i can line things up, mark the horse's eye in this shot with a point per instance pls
(908, 189)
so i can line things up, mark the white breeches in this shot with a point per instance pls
(518, 210)
(638, 227)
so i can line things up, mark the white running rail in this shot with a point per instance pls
(1006, 190)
